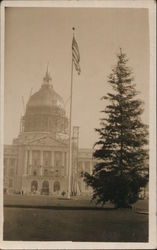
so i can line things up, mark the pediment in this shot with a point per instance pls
(47, 141)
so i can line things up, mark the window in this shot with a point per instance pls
(34, 186)
(36, 158)
(46, 172)
(45, 188)
(62, 171)
(58, 159)
(51, 172)
(56, 186)
(47, 158)
(57, 173)
(34, 173)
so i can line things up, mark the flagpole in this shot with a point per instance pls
(70, 133)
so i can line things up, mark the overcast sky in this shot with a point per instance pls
(36, 36)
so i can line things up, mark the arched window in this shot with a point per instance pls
(56, 186)
(45, 187)
(34, 186)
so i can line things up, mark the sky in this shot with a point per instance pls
(35, 37)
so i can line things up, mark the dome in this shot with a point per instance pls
(46, 96)
(45, 110)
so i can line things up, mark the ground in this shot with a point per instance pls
(72, 220)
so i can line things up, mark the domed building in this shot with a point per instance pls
(37, 162)
(45, 110)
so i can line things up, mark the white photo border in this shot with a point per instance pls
(152, 244)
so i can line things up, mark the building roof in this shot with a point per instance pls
(46, 96)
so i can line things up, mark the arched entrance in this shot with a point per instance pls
(56, 186)
(34, 187)
(45, 188)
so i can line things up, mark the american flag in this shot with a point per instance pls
(76, 55)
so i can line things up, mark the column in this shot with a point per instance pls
(41, 162)
(67, 163)
(41, 170)
(30, 162)
(30, 157)
(6, 167)
(63, 158)
(82, 182)
(63, 164)
(25, 162)
(52, 159)
(41, 158)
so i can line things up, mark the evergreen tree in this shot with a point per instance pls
(121, 153)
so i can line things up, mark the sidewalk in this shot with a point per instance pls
(48, 202)
(141, 207)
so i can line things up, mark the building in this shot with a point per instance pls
(37, 162)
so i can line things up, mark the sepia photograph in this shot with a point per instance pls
(78, 131)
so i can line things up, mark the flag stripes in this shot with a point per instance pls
(76, 55)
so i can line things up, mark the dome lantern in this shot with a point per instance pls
(47, 78)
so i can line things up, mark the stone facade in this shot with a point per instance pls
(40, 166)
(10, 168)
